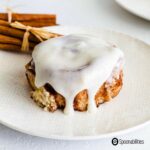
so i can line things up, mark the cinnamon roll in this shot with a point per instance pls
(75, 72)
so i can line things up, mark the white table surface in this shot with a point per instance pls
(96, 13)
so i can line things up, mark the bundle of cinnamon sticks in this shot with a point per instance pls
(11, 38)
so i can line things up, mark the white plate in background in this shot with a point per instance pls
(127, 112)
(140, 8)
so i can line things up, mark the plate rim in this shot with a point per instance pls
(79, 138)
(93, 137)
(119, 2)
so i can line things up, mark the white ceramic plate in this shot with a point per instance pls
(128, 111)
(140, 8)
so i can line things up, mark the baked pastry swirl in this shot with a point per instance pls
(62, 64)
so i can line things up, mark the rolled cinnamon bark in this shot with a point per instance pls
(4, 23)
(40, 23)
(14, 41)
(11, 47)
(13, 32)
(28, 17)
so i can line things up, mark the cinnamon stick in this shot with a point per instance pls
(11, 47)
(4, 23)
(9, 31)
(27, 17)
(40, 23)
(11, 40)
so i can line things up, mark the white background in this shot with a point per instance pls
(96, 13)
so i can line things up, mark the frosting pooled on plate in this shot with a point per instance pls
(73, 63)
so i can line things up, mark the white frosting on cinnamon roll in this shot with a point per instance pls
(73, 63)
